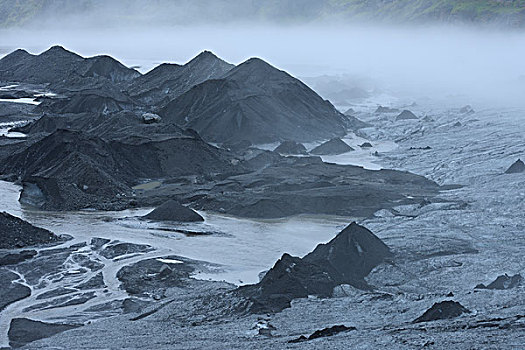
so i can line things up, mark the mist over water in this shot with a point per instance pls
(453, 65)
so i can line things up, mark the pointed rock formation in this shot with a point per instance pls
(255, 102)
(346, 259)
(168, 81)
(441, 311)
(333, 147)
(174, 211)
(406, 115)
(517, 167)
(351, 255)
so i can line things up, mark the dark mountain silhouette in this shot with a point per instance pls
(62, 68)
(168, 81)
(258, 103)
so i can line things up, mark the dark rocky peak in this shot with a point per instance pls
(255, 71)
(15, 57)
(442, 311)
(353, 253)
(346, 259)
(168, 81)
(334, 146)
(108, 67)
(164, 68)
(58, 51)
(208, 66)
(205, 56)
(406, 115)
(517, 167)
(173, 211)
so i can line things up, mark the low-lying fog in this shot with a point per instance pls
(455, 65)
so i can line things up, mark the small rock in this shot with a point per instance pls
(150, 118)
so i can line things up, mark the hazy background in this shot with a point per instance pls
(451, 51)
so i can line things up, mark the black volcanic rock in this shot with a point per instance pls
(103, 98)
(168, 81)
(366, 145)
(351, 255)
(17, 233)
(346, 259)
(441, 311)
(109, 68)
(173, 211)
(10, 290)
(325, 332)
(285, 186)
(517, 167)
(333, 147)
(503, 282)
(406, 115)
(72, 170)
(62, 68)
(255, 102)
(290, 147)
(23, 331)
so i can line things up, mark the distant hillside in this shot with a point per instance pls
(13, 13)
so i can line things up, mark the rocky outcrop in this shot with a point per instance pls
(24, 330)
(17, 233)
(333, 147)
(255, 102)
(346, 259)
(406, 115)
(516, 168)
(322, 333)
(291, 147)
(174, 211)
(442, 311)
(71, 170)
(503, 282)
